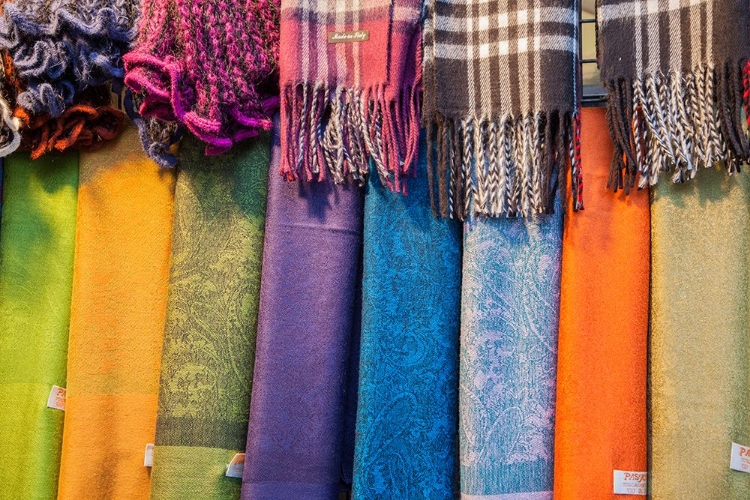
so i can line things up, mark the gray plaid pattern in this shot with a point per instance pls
(513, 57)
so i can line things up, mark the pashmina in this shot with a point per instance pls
(117, 315)
(294, 441)
(37, 242)
(600, 416)
(62, 47)
(406, 444)
(208, 65)
(674, 76)
(700, 336)
(212, 307)
(350, 79)
(509, 323)
(500, 104)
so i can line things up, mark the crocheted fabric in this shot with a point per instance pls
(10, 138)
(207, 64)
(62, 47)
(674, 75)
(350, 82)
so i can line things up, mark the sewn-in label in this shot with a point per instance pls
(148, 457)
(56, 398)
(236, 466)
(740, 460)
(630, 482)
(348, 36)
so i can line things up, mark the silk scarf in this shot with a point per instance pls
(674, 75)
(294, 442)
(212, 307)
(406, 442)
(500, 104)
(509, 323)
(120, 277)
(700, 336)
(350, 77)
(600, 416)
(36, 269)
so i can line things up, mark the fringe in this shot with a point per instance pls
(677, 123)
(338, 130)
(505, 168)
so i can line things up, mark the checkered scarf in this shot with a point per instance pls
(350, 79)
(501, 143)
(673, 70)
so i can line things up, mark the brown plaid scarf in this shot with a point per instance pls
(500, 103)
(673, 70)
(350, 80)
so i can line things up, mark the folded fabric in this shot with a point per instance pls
(674, 75)
(119, 303)
(600, 416)
(350, 78)
(500, 104)
(62, 47)
(509, 323)
(36, 268)
(700, 333)
(294, 441)
(352, 384)
(208, 65)
(212, 307)
(406, 441)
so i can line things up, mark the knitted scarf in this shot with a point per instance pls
(674, 74)
(503, 137)
(350, 80)
(208, 65)
(62, 47)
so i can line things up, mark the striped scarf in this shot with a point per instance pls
(350, 80)
(501, 143)
(674, 74)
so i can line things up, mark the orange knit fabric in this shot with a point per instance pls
(602, 350)
(121, 271)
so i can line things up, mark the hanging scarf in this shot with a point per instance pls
(37, 243)
(119, 302)
(294, 442)
(408, 392)
(674, 77)
(500, 104)
(700, 336)
(212, 307)
(62, 47)
(509, 324)
(350, 80)
(600, 416)
(208, 66)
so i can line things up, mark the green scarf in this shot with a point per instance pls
(36, 272)
(212, 308)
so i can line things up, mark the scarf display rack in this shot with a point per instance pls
(592, 96)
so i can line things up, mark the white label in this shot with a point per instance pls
(56, 398)
(148, 457)
(630, 483)
(740, 459)
(236, 466)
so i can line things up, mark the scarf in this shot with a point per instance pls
(350, 81)
(509, 323)
(294, 442)
(62, 47)
(212, 307)
(600, 416)
(10, 138)
(406, 443)
(119, 302)
(207, 65)
(36, 266)
(700, 334)
(500, 104)
(674, 76)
